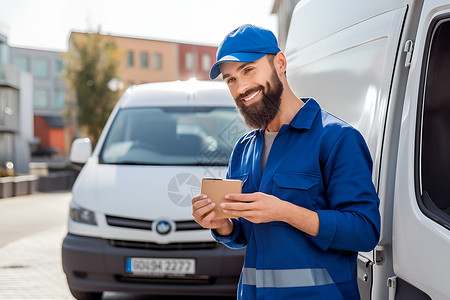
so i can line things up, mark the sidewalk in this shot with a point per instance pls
(30, 268)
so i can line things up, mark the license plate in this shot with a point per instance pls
(160, 266)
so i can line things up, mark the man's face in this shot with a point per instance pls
(256, 90)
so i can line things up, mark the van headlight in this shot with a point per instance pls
(82, 215)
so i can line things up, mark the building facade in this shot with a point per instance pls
(142, 60)
(33, 88)
(49, 88)
(16, 112)
(146, 60)
(195, 61)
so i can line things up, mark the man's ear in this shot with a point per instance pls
(280, 63)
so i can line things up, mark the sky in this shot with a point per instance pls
(46, 24)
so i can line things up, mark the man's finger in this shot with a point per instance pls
(204, 210)
(209, 217)
(199, 197)
(200, 203)
(241, 197)
(238, 206)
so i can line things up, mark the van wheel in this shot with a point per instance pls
(86, 295)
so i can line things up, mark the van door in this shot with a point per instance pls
(421, 217)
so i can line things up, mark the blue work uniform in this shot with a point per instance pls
(323, 164)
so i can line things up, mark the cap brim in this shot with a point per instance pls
(239, 57)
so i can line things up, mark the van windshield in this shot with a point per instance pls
(172, 136)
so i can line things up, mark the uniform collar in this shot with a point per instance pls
(302, 120)
(306, 115)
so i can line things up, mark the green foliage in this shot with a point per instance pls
(4, 172)
(92, 61)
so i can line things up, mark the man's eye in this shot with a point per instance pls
(247, 70)
(230, 80)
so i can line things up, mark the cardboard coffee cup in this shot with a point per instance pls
(216, 189)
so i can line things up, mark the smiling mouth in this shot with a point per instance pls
(252, 96)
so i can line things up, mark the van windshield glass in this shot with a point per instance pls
(172, 136)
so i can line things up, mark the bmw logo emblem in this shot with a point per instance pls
(163, 227)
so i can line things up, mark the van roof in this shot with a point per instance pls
(178, 93)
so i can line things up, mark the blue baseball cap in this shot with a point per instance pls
(245, 44)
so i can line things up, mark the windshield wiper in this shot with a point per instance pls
(207, 164)
(133, 163)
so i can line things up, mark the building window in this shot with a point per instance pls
(59, 67)
(6, 147)
(190, 61)
(59, 99)
(144, 60)
(157, 61)
(3, 57)
(130, 58)
(22, 62)
(40, 68)
(436, 127)
(9, 108)
(40, 98)
(206, 62)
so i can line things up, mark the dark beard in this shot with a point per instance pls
(259, 114)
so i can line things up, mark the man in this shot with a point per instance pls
(308, 203)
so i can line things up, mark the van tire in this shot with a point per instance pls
(86, 295)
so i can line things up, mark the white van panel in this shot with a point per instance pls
(148, 197)
(180, 93)
(327, 17)
(349, 73)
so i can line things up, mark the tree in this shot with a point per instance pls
(91, 62)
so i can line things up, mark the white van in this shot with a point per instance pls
(384, 67)
(131, 227)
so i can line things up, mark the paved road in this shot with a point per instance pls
(31, 232)
(26, 215)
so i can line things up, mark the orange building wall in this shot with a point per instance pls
(49, 136)
(136, 74)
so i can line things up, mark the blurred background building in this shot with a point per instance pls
(49, 87)
(33, 90)
(149, 60)
(16, 111)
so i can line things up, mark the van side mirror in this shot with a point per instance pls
(80, 151)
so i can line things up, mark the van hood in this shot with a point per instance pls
(141, 192)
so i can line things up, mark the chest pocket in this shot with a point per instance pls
(299, 188)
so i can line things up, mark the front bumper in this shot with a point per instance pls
(96, 265)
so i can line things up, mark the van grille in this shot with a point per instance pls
(129, 223)
(187, 225)
(147, 225)
(155, 246)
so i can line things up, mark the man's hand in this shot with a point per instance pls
(262, 208)
(202, 210)
(255, 207)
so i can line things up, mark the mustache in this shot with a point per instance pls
(249, 92)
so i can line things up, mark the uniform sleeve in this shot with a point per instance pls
(235, 240)
(352, 221)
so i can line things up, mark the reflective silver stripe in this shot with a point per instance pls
(285, 278)
(249, 276)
